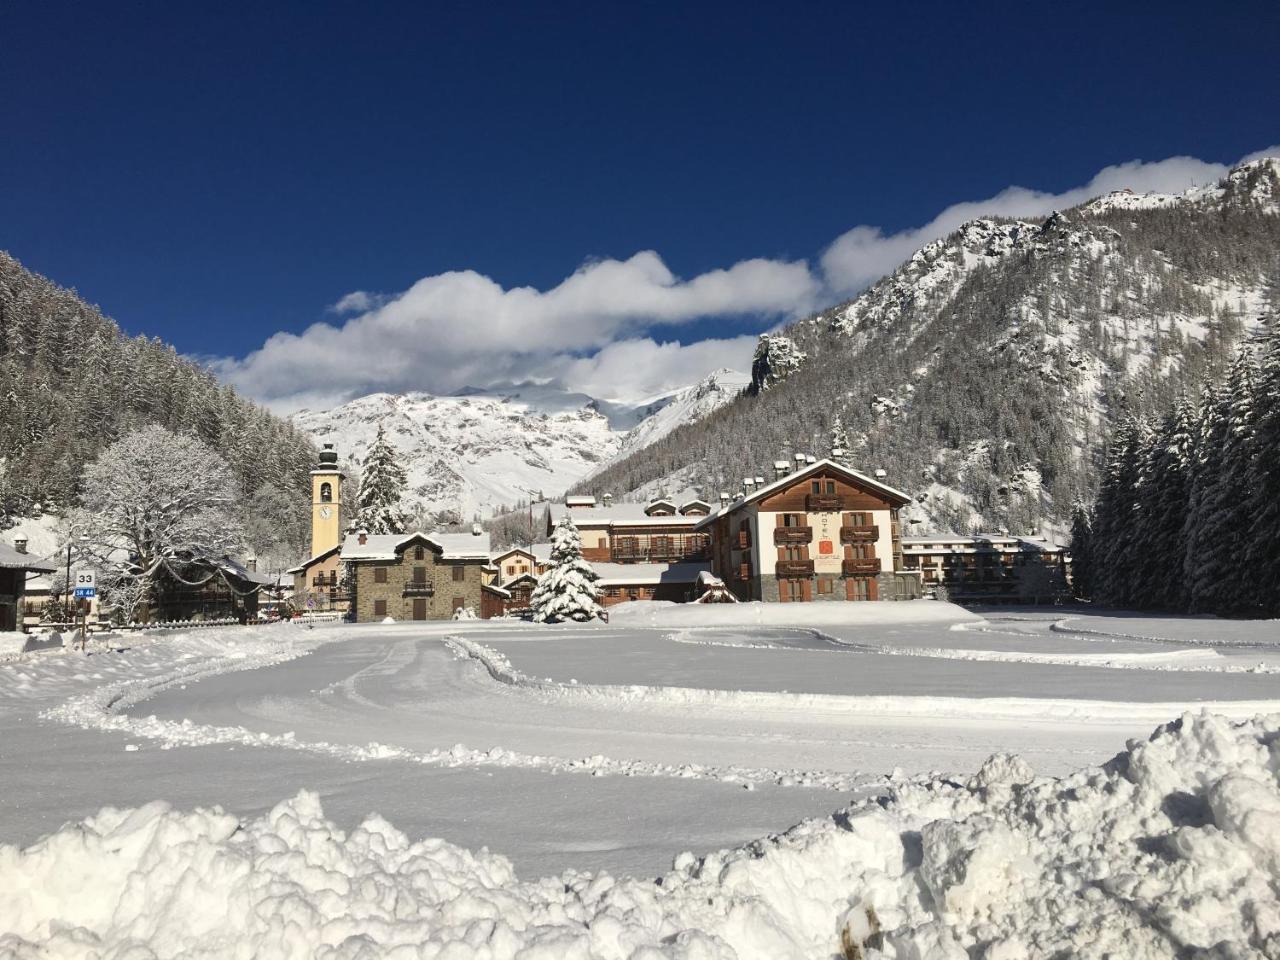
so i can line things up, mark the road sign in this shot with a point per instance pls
(85, 584)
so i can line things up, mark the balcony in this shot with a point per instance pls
(859, 534)
(782, 535)
(324, 582)
(419, 589)
(860, 568)
(823, 503)
(794, 568)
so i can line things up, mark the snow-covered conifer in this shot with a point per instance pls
(567, 591)
(1263, 549)
(1162, 510)
(382, 484)
(1081, 552)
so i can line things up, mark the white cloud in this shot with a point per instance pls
(358, 301)
(632, 369)
(593, 332)
(461, 328)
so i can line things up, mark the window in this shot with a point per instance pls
(326, 493)
(418, 553)
(380, 607)
(831, 486)
(794, 552)
(459, 574)
(793, 519)
(511, 569)
(379, 574)
(816, 486)
(419, 574)
(825, 584)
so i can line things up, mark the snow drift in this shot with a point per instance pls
(1172, 848)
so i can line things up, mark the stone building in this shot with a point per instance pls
(415, 576)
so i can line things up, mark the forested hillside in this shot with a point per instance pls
(984, 373)
(71, 383)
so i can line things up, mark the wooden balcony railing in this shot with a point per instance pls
(860, 567)
(783, 535)
(850, 534)
(418, 589)
(823, 503)
(794, 568)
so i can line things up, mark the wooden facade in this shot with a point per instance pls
(824, 532)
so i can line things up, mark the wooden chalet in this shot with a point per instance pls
(819, 531)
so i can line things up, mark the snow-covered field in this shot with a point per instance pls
(582, 753)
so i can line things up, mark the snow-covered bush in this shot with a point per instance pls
(567, 591)
(466, 613)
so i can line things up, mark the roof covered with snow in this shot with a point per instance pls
(803, 473)
(11, 559)
(642, 574)
(949, 541)
(624, 514)
(384, 546)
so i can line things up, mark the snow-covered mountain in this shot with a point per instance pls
(983, 373)
(467, 454)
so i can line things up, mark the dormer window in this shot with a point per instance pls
(419, 553)
(326, 493)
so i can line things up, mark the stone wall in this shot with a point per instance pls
(439, 600)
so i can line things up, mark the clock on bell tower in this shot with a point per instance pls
(326, 502)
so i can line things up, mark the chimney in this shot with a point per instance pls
(476, 529)
(881, 473)
(811, 459)
(607, 499)
(780, 469)
(251, 564)
(362, 537)
(759, 481)
(20, 544)
(799, 459)
(725, 497)
(837, 452)
(747, 484)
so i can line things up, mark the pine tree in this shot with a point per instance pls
(382, 484)
(1218, 519)
(1162, 512)
(1262, 551)
(1081, 553)
(1115, 514)
(567, 591)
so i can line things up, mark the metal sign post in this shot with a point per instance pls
(86, 588)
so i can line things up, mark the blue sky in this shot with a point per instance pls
(215, 174)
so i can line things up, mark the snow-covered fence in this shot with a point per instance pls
(182, 624)
(323, 616)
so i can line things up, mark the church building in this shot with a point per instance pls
(317, 581)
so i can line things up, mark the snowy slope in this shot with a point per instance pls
(466, 455)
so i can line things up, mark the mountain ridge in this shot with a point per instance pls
(983, 372)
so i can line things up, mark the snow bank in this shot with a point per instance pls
(1172, 848)
(660, 613)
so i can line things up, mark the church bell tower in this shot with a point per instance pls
(326, 502)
